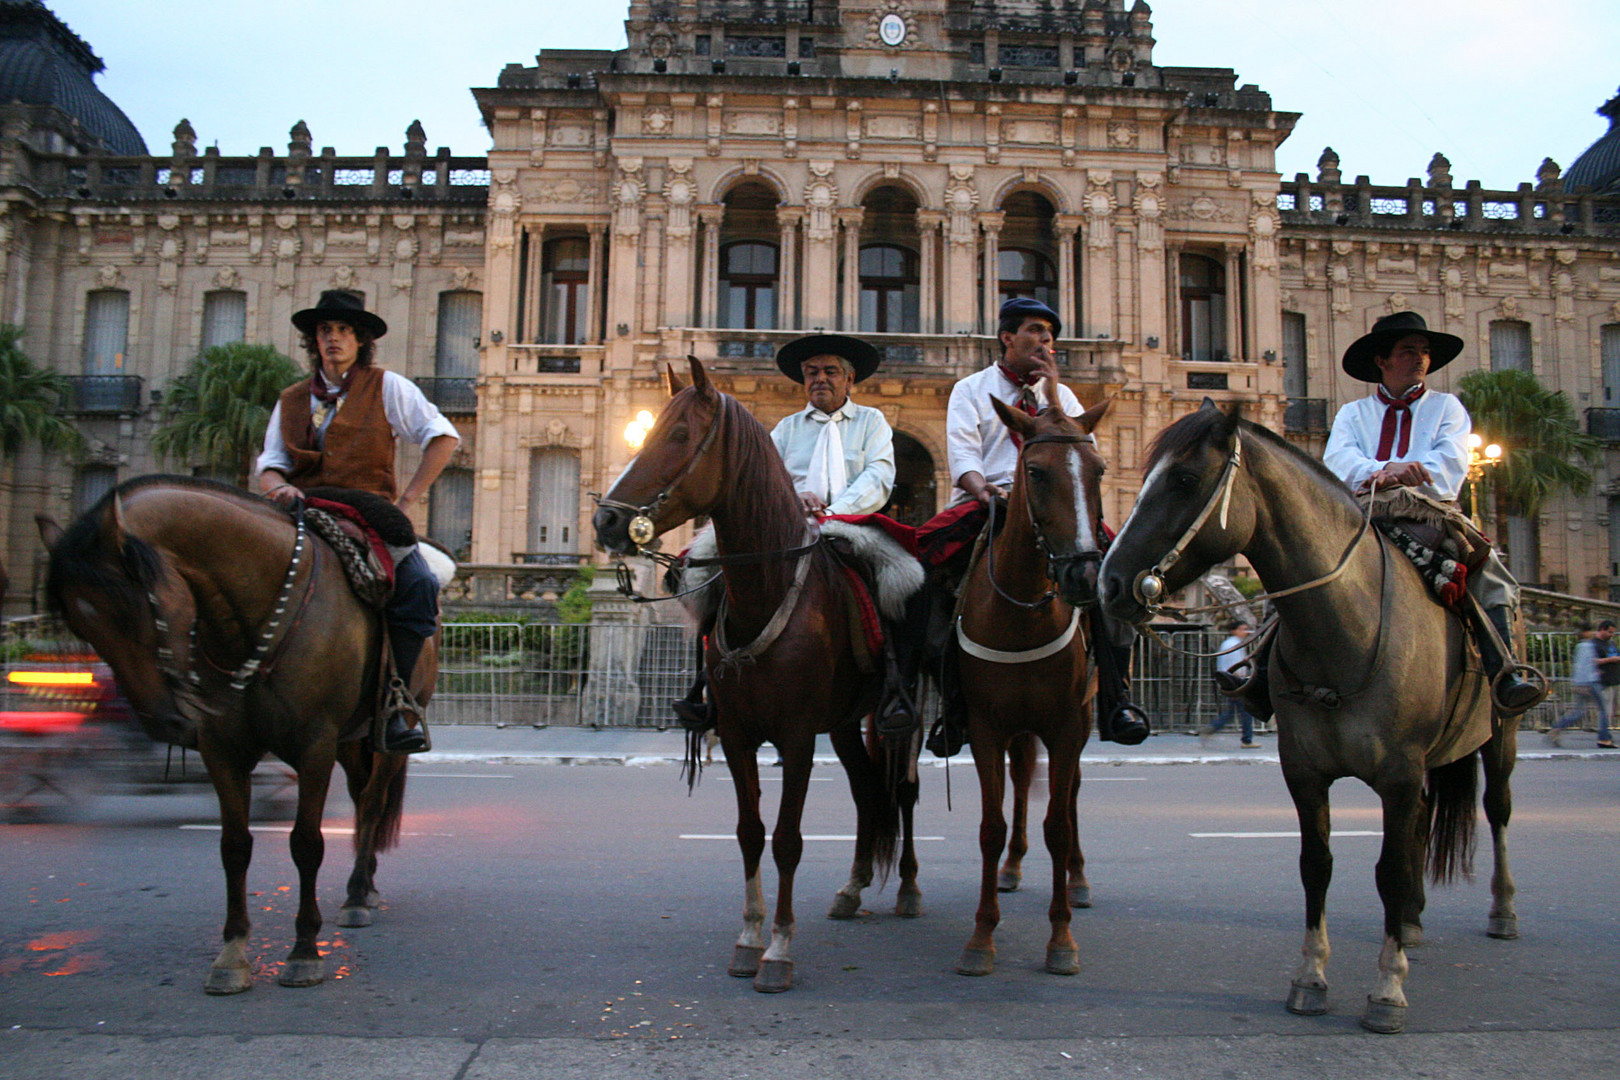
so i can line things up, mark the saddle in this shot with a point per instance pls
(1441, 542)
(368, 533)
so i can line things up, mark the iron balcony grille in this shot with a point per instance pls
(454, 397)
(103, 395)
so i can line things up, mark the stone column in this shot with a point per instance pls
(1099, 274)
(1172, 308)
(1066, 225)
(1150, 261)
(680, 192)
(708, 309)
(533, 276)
(820, 248)
(928, 223)
(788, 219)
(1235, 328)
(594, 331)
(990, 266)
(850, 219)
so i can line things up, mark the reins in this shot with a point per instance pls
(1035, 526)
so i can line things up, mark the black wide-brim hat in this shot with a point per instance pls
(864, 358)
(335, 305)
(1358, 358)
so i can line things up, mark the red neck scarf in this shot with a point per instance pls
(1027, 384)
(322, 392)
(1395, 438)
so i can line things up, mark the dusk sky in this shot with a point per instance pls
(1493, 84)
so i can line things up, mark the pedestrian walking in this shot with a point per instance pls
(1232, 653)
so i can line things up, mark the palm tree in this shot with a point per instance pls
(29, 399)
(1544, 451)
(217, 410)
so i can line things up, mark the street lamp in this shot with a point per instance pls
(635, 432)
(1481, 456)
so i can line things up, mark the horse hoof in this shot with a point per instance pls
(977, 962)
(908, 905)
(1080, 896)
(1306, 1000)
(1009, 880)
(350, 917)
(1411, 935)
(228, 980)
(844, 906)
(745, 961)
(1384, 1018)
(774, 976)
(1064, 961)
(1504, 927)
(373, 898)
(295, 973)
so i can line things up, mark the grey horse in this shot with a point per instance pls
(1370, 676)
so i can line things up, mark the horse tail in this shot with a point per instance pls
(891, 757)
(1452, 800)
(393, 807)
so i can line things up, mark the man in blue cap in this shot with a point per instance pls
(984, 460)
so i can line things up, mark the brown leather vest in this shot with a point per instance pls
(359, 448)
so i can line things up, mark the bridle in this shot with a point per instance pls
(1055, 563)
(1149, 587)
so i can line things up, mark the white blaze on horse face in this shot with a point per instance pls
(1086, 537)
(86, 609)
(1147, 485)
(618, 479)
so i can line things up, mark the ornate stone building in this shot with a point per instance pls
(747, 171)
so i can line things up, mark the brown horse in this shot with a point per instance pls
(782, 662)
(233, 630)
(1022, 656)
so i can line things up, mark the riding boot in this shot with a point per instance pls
(695, 714)
(902, 655)
(1254, 690)
(399, 737)
(949, 732)
(1118, 719)
(1514, 694)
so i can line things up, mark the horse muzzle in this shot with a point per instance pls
(1129, 602)
(621, 529)
(1076, 578)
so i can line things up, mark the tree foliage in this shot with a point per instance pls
(1544, 450)
(30, 397)
(217, 411)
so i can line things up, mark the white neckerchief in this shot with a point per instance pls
(827, 478)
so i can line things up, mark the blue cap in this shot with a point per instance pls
(1024, 306)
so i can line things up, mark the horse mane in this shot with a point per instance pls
(1195, 429)
(770, 508)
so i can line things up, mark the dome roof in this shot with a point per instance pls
(1599, 167)
(42, 62)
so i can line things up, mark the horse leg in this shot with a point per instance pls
(1062, 955)
(1021, 764)
(1499, 755)
(1079, 887)
(990, 759)
(908, 898)
(742, 760)
(787, 847)
(854, 756)
(231, 973)
(370, 778)
(1416, 898)
(1386, 1005)
(1307, 995)
(303, 966)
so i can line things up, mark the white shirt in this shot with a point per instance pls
(412, 416)
(975, 438)
(868, 454)
(1230, 659)
(1440, 427)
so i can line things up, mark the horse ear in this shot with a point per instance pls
(49, 530)
(672, 381)
(1019, 422)
(1093, 416)
(700, 378)
(1209, 403)
(113, 531)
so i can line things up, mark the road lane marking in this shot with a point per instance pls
(460, 776)
(326, 830)
(733, 836)
(1277, 835)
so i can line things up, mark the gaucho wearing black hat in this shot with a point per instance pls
(1359, 357)
(335, 305)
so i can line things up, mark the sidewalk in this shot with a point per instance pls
(630, 746)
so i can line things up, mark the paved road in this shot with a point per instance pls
(557, 921)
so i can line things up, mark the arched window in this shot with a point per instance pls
(889, 289)
(1024, 272)
(748, 286)
(1203, 309)
(565, 277)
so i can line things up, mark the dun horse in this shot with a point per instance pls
(1369, 676)
(781, 659)
(234, 631)
(1022, 658)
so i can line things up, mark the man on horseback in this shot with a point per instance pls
(338, 429)
(983, 459)
(840, 454)
(1404, 434)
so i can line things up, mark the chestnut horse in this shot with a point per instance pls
(1022, 655)
(782, 664)
(232, 629)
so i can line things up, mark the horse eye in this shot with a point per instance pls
(1036, 476)
(680, 434)
(86, 608)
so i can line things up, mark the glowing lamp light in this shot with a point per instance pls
(1493, 452)
(51, 678)
(635, 432)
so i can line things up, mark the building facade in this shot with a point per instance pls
(745, 172)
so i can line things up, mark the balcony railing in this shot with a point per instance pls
(103, 395)
(1603, 424)
(454, 397)
(1305, 416)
